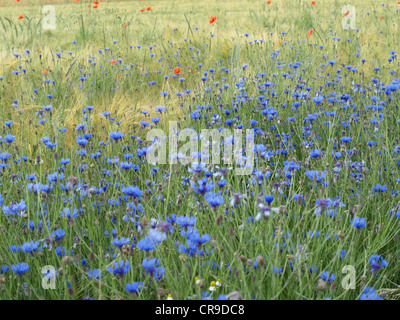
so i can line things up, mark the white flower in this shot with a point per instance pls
(212, 286)
(265, 211)
(237, 198)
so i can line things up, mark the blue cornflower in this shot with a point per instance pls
(120, 242)
(66, 212)
(161, 231)
(185, 221)
(58, 234)
(126, 165)
(276, 269)
(345, 139)
(203, 186)
(194, 237)
(269, 199)
(144, 123)
(155, 120)
(326, 277)
(119, 268)
(105, 114)
(358, 222)
(4, 268)
(60, 251)
(214, 199)
(15, 208)
(315, 153)
(81, 141)
(134, 287)
(315, 175)
(379, 188)
(14, 248)
(95, 274)
(9, 138)
(160, 108)
(147, 244)
(65, 161)
(116, 135)
(151, 266)
(132, 191)
(377, 262)
(318, 99)
(369, 293)
(20, 268)
(31, 247)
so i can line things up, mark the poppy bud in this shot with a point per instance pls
(160, 292)
(67, 259)
(260, 260)
(363, 280)
(200, 283)
(321, 286)
(236, 295)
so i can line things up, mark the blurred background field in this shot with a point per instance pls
(280, 23)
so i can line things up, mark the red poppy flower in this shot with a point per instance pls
(212, 19)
